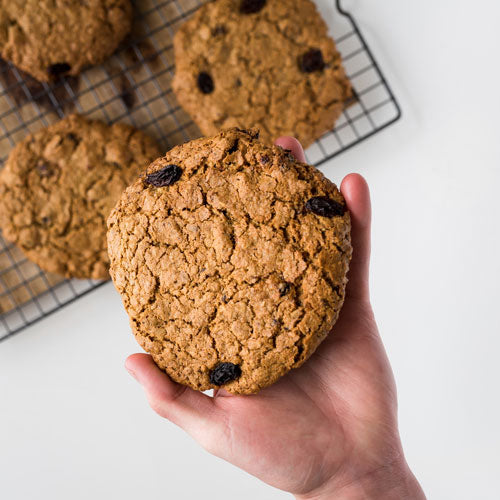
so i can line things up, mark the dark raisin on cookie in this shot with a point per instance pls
(312, 61)
(224, 373)
(251, 6)
(58, 69)
(205, 83)
(165, 176)
(325, 207)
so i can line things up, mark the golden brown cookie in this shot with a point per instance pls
(48, 38)
(231, 259)
(257, 63)
(58, 187)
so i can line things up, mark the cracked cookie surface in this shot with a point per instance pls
(267, 64)
(228, 274)
(50, 38)
(58, 187)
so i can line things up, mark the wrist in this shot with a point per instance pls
(391, 482)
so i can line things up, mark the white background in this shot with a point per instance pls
(74, 425)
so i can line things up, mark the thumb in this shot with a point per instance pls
(357, 195)
(195, 412)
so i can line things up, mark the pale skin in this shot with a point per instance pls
(327, 430)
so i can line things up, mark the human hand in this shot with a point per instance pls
(325, 430)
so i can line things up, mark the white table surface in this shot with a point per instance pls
(74, 425)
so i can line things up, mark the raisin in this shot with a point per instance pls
(205, 83)
(325, 207)
(224, 373)
(46, 220)
(312, 61)
(165, 177)
(251, 6)
(58, 69)
(284, 288)
(264, 159)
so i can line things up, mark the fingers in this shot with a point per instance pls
(189, 409)
(357, 196)
(293, 145)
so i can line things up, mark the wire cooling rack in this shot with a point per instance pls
(134, 86)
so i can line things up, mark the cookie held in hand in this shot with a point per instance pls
(231, 259)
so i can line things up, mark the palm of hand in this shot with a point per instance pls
(320, 420)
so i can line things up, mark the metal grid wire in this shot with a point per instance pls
(134, 86)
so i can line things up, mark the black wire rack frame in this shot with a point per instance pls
(134, 87)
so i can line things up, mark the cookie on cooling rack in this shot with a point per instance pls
(49, 39)
(58, 187)
(260, 63)
(231, 259)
